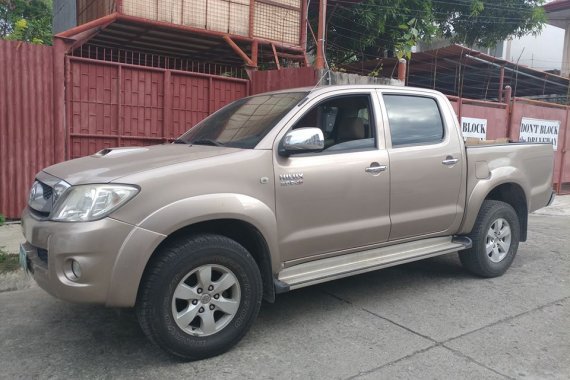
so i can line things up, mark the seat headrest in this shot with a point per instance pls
(351, 128)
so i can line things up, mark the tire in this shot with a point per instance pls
(194, 312)
(490, 255)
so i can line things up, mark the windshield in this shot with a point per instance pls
(243, 123)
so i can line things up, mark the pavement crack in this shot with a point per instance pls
(469, 358)
(381, 317)
(506, 319)
(336, 297)
(401, 326)
(362, 373)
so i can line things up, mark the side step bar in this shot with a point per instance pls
(332, 268)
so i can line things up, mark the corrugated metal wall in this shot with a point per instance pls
(105, 104)
(113, 104)
(273, 80)
(29, 138)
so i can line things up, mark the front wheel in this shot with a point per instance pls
(199, 296)
(495, 239)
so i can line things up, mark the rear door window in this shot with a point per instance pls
(414, 120)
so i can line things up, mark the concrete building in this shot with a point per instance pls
(558, 13)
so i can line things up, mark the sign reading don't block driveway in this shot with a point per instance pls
(540, 131)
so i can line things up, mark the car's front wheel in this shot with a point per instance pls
(199, 296)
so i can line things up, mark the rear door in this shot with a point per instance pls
(426, 164)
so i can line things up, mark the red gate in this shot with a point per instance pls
(117, 104)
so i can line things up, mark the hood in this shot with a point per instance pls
(113, 163)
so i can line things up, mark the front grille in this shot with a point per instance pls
(41, 198)
(48, 191)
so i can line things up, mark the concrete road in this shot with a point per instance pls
(428, 319)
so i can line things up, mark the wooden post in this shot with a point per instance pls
(275, 57)
(402, 70)
(501, 81)
(563, 148)
(59, 101)
(120, 124)
(508, 95)
(255, 53)
(167, 107)
(320, 59)
(248, 61)
(304, 15)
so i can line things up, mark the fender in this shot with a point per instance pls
(497, 177)
(155, 228)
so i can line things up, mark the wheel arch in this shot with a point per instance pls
(244, 233)
(514, 195)
(510, 192)
(250, 216)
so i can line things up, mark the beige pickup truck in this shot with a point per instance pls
(272, 193)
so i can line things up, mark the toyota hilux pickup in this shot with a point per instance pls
(272, 193)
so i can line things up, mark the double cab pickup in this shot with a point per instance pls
(272, 193)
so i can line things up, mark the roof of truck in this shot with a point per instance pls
(328, 88)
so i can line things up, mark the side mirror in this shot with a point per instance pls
(302, 140)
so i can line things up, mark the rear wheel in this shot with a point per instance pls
(495, 239)
(199, 296)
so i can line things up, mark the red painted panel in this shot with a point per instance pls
(189, 102)
(142, 102)
(114, 104)
(539, 110)
(28, 132)
(497, 117)
(273, 80)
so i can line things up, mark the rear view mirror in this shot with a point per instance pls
(302, 140)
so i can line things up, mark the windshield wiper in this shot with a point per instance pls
(207, 142)
(178, 141)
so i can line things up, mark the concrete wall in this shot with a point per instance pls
(64, 15)
(344, 78)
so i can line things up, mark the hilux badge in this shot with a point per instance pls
(291, 179)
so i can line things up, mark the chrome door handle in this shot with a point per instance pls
(376, 169)
(450, 160)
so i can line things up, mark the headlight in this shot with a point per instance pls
(85, 203)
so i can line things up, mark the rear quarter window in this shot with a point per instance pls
(413, 120)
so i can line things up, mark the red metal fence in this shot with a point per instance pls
(31, 104)
(54, 107)
(273, 80)
(546, 111)
(115, 104)
(505, 120)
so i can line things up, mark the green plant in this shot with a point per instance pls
(2, 219)
(8, 262)
(26, 20)
(364, 30)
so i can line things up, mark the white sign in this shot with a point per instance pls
(471, 127)
(541, 131)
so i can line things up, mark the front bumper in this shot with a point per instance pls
(94, 245)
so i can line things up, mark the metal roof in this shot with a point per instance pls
(121, 32)
(460, 71)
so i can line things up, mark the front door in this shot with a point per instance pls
(337, 199)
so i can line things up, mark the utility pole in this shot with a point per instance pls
(320, 60)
